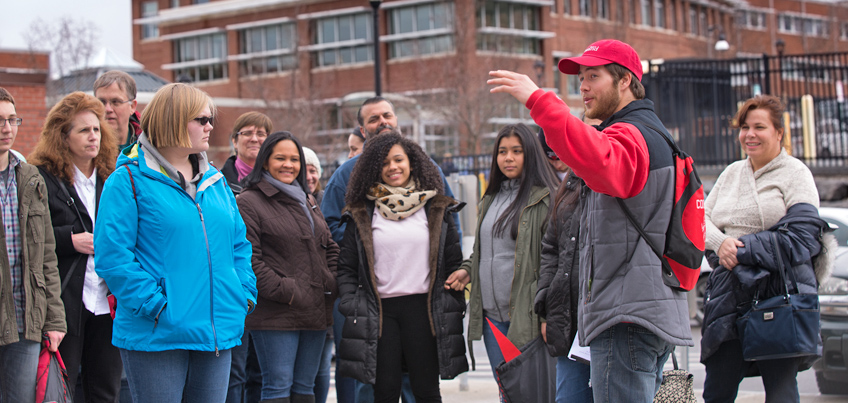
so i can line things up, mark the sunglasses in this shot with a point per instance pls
(204, 120)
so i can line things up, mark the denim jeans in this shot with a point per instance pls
(289, 360)
(492, 348)
(345, 387)
(627, 364)
(18, 369)
(572, 381)
(176, 376)
(322, 379)
(726, 368)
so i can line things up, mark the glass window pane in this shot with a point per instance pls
(489, 14)
(220, 46)
(345, 29)
(272, 64)
(329, 57)
(422, 19)
(328, 30)
(405, 48)
(256, 40)
(204, 73)
(345, 55)
(203, 45)
(425, 46)
(440, 15)
(404, 20)
(271, 38)
(504, 11)
(518, 17)
(363, 53)
(362, 26)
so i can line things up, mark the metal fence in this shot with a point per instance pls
(697, 100)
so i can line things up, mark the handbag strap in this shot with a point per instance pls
(780, 269)
(674, 359)
(71, 203)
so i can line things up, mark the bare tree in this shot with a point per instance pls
(71, 42)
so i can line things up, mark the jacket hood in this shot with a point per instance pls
(150, 162)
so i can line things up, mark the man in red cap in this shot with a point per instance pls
(628, 317)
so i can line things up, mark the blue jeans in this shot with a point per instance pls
(726, 368)
(492, 348)
(18, 370)
(175, 376)
(572, 381)
(627, 364)
(289, 360)
(322, 379)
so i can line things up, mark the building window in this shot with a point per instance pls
(509, 27)
(749, 19)
(816, 27)
(439, 138)
(267, 49)
(843, 34)
(792, 24)
(573, 84)
(659, 13)
(566, 7)
(632, 8)
(421, 29)
(199, 1)
(149, 9)
(585, 8)
(693, 20)
(603, 10)
(344, 39)
(702, 22)
(619, 13)
(646, 12)
(201, 58)
(672, 12)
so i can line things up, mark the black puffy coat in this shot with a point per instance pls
(360, 302)
(729, 293)
(559, 280)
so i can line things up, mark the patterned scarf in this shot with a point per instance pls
(398, 202)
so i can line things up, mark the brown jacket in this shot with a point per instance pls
(44, 310)
(295, 270)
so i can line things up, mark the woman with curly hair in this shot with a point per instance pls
(512, 219)
(399, 248)
(75, 154)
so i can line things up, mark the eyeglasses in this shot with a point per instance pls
(115, 102)
(12, 122)
(205, 120)
(259, 135)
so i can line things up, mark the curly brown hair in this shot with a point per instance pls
(369, 168)
(52, 152)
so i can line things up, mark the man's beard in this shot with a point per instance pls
(605, 104)
(379, 129)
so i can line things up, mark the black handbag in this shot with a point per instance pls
(782, 326)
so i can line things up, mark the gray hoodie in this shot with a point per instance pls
(497, 256)
(155, 159)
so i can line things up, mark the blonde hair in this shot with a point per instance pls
(165, 119)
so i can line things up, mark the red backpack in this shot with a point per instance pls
(687, 231)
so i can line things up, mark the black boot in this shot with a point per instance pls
(302, 398)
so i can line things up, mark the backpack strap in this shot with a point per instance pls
(71, 203)
(132, 182)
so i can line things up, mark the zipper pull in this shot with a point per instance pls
(216, 352)
(200, 211)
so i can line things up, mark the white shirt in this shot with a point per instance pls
(94, 288)
(401, 254)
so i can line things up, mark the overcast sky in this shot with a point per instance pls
(112, 18)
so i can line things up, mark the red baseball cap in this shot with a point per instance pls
(603, 52)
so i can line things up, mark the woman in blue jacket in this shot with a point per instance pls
(171, 246)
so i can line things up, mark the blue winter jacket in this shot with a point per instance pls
(179, 267)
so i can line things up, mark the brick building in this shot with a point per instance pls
(24, 74)
(309, 63)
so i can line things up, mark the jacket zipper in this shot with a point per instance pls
(211, 285)
(356, 304)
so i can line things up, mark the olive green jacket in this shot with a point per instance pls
(44, 310)
(524, 323)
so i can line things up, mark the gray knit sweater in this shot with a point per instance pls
(497, 256)
(744, 201)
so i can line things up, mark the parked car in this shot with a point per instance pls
(832, 369)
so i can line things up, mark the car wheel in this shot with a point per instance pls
(700, 290)
(827, 387)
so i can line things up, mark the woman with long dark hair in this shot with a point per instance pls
(399, 247)
(512, 218)
(294, 258)
(75, 154)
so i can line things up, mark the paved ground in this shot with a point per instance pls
(479, 386)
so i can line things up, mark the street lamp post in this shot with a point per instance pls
(780, 45)
(375, 6)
